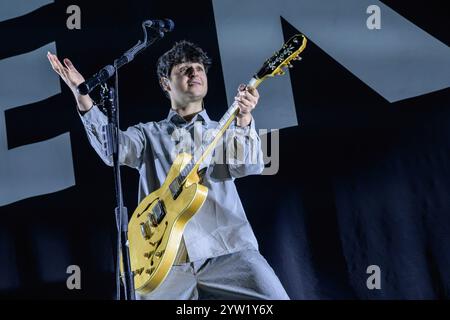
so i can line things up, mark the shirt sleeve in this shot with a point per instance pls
(242, 155)
(131, 142)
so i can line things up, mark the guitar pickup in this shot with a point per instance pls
(158, 213)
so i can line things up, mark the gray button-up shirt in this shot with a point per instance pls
(220, 226)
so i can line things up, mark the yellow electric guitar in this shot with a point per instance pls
(155, 230)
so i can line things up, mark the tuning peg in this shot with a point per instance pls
(298, 58)
(290, 65)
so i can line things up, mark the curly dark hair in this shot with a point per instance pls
(182, 51)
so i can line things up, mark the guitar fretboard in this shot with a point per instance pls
(207, 146)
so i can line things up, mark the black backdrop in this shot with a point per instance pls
(361, 181)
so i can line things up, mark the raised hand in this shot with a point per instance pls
(67, 72)
(72, 78)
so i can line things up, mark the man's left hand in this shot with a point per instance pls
(247, 98)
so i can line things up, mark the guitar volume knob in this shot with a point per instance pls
(148, 254)
(159, 253)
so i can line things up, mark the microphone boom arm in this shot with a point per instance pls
(100, 77)
(140, 46)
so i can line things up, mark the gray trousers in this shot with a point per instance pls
(241, 275)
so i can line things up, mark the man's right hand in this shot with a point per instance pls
(72, 78)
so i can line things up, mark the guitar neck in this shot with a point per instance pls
(208, 146)
(272, 67)
(224, 123)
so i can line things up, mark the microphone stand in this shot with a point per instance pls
(121, 213)
(110, 104)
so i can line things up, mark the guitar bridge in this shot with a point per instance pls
(146, 230)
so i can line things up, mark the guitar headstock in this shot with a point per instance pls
(282, 59)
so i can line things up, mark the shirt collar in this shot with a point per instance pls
(175, 118)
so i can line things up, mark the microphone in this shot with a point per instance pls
(98, 78)
(165, 25)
